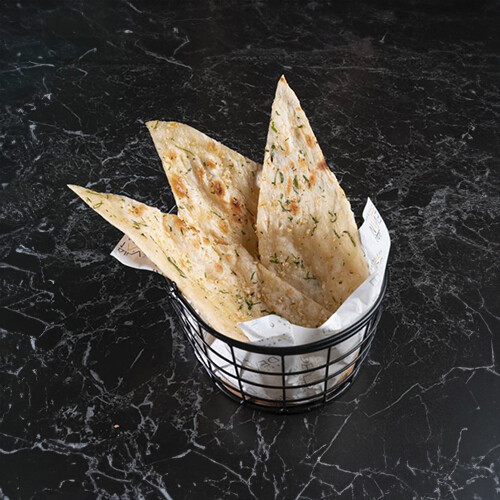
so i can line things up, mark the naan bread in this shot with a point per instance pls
(223, 282)
(215, 188)
(305, 227)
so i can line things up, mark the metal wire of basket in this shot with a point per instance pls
(280, 379)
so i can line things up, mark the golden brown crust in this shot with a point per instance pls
(178, 186)
(218, 188)
(322, 165)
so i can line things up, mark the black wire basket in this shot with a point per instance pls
(280, 379)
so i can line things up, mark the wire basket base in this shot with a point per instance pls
(276, 379)
(290, 407)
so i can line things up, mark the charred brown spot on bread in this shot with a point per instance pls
(201, 173)
(179, 223)
(302, 162)
(218, 267)
(294, 208)
(211, 164)
(178, 186)
(312, 179)
(223, 226)
(217, 187)
(137, 210)
(172, 154)
(288, 186)
(196, 243)
(322, 165)
(286, 148)
(212, 147)
(238, 218)
(309, 141)
(236, 203)
(173, 223)
(289, 292)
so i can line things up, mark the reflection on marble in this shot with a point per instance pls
(100, 395)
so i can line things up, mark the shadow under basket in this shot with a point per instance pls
(280, 379)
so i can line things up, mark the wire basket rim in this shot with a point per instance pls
(332, 340)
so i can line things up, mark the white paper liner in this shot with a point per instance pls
(273, 330)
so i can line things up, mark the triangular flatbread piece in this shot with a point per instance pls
(215, 188)
(305, 227)
(223, 282)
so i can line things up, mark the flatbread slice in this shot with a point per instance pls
(305, 227)
(215, 188)
(223, 282)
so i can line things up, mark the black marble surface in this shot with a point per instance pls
(100, 395)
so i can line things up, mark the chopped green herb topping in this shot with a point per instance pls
(282, 207)
(181, 148)
(274, 258)
(297, 261)
(273, 128)
(315, 224)
(265, 311)
(350, 237)
(179, 270)
(250, 304)
(333, 216)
